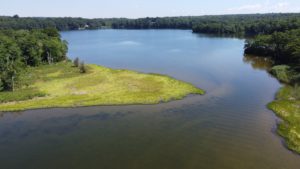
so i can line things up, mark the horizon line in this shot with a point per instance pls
(175, 16)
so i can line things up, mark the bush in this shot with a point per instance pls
(286, 74)
(296, 92)
(1, 85)
(282, 73)
(76, 62)
(82, 67)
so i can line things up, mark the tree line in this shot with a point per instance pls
(283, 48)
(249, 24)
(22, 48)
(62, 24)
(222, 24)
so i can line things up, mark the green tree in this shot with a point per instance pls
(31, 47)
(54, 50)
(278, 43)
(10, 63)
(52, 32)
(16, 16)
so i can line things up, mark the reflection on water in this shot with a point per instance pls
(258, 62)
(228, 128)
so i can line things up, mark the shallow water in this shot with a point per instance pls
(228, 128)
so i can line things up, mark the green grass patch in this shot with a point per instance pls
(20, 95)
(62, 85)
(285, 73)
(287, 107)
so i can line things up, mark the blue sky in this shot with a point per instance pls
(142, 8)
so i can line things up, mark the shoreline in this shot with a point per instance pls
(103, 105)
(287, 108)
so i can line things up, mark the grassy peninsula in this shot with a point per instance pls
(35, 73)
(62, 85)
(287, 107)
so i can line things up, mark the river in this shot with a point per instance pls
(227, 128)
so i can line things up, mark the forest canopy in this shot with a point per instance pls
(21, 48)
(230, 24)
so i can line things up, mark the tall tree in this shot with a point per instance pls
(10, 62)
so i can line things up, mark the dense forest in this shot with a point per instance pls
(249, 24)
(61, 24)
(283, 48)
(23, 48)
(229, 24)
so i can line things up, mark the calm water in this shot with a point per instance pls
(228, 128)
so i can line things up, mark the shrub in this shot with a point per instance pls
(1, 85)
(282, 73)
(76, 62)
(82, 67)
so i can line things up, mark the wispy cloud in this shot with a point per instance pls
(129, 43)
(266, 7)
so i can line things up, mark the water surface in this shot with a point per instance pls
(228, 128)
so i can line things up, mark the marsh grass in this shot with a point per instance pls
(287, 107)
(19, 95)
(62, 85)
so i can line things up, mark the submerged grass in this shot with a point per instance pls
(287, 107)
(61, 85)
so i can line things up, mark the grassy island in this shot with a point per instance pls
(62, 85)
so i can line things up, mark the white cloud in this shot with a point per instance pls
(129, 43)
(266, 7)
